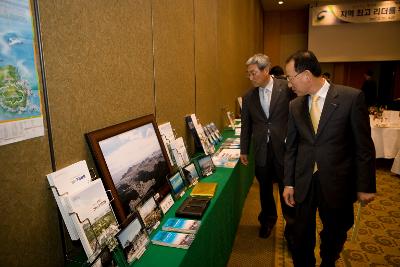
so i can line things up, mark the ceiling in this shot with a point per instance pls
(270, 5)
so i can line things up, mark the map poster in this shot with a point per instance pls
(21, 115)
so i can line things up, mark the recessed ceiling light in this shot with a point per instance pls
(280, 2)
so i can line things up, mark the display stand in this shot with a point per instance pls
(104, 253)
(169, 150)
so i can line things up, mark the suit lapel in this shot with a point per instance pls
(330, 106)
(257, 102)
(306, 115)
(276, 91)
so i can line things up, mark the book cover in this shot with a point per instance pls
(65, 181)
(173, 239)
(204, 189)
(182, 225)
(226, 158)
(93, 217)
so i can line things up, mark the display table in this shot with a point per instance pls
(386, 141)
(214, 240)
(396, 164)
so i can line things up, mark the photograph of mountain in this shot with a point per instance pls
(136, 164)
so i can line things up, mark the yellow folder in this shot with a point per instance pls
(204, 189)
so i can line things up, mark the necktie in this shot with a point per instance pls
(266, 95)
(315, 113)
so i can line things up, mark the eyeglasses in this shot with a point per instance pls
(289, 78)
(252, 74)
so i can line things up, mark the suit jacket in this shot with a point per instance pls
(342, 147)
(256, 125)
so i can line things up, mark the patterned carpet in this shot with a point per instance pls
(376, 243)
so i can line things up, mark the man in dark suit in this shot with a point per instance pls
(264, 120)
(329, 161)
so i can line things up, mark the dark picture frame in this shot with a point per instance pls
(177, 183)
(206, 165)
(150, 213)
(191, 174)
(132, 161)
(133, 239)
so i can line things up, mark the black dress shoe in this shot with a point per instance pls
(265, 231)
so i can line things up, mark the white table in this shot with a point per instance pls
(387, 144)
(386, 141)
(396, 164)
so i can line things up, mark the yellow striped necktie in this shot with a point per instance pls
(315, 115)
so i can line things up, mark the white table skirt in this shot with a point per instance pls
(386, 141)
(396, 164)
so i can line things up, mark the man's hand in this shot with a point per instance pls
(288, 196)
(243, 159)
(365, 198)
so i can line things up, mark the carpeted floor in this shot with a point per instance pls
(376, 243)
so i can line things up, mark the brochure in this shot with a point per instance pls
(173, 239)
(182, 225)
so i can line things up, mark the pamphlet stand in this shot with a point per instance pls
(169, 149)
(97, 253)
(104, 252)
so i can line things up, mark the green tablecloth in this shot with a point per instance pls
(214, 240)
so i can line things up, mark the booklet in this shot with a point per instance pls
(226, 158)
(93, 217)
(173, 239)
(182, 225)
(66, 181)
(204, 189)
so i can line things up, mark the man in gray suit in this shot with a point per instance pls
(264, 120)
(329, 161)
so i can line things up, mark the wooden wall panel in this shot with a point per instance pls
(29, 225)
(285, 33)
(238, 23)
(99, 68)
(174, 61)
(207, 100)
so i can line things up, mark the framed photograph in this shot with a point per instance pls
(206, 165)
(150, 213)
(133, 240)
(177, 185)
(131, 161)
(191, 174)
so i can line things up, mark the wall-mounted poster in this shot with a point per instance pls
(131, 162)
(20, 106)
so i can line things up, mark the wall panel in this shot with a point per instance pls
(207, 100)
(99, 68)
(174, 61)
(239, 25)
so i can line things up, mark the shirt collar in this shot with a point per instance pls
(324, 90)
(269, 85)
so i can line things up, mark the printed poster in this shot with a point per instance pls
(21, 115)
